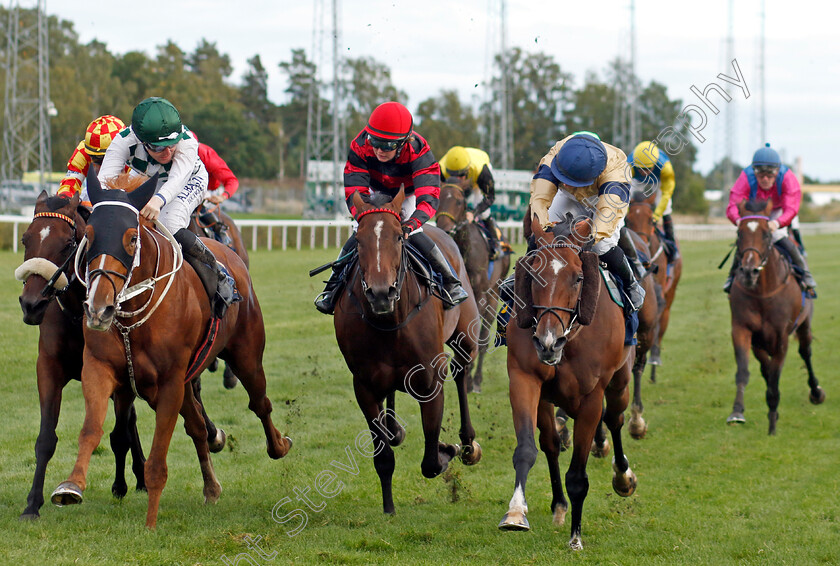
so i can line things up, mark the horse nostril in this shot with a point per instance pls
(392, 293)
(558, 344)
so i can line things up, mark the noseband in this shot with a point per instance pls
(403, 252)
(556, 310)
(49, 291)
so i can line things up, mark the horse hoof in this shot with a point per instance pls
(600, 451)
(67, 493)
(119, 490)
(559, 515)
(576, 543)
(399, 436)
(638, 427)
(471, 454)
(818, 398)
(34, 516)
(514, 521)
(655, 360)
(217, 444)
(563, 431)
(624, 484)
(736, 417)
(214, 365)
(229, 379)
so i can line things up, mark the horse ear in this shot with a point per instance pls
(526, 224)
(358, 202)
(397, 201)
(742, 211)
(141, 195)
(768, 207)
(94, 189)
(74, 200)
(42, 198)
(537, 229)
(522, 291)
(591, 288)
(581, 234)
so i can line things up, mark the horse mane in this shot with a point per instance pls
(55, 203)
(755, 205)
(125, 181)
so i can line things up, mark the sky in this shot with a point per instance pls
(433, 45)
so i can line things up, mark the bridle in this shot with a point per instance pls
(762, 256)
(545, 310)
(403, 251)
(49, 291)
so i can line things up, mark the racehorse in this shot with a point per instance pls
(391, 331)
(767, 306)
(640, 219)
(52, 299)
(200, 228)
(484, 275)
(163, 311)
(566, 349)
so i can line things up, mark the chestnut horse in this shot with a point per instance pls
(767, 306)
(391, 331)
(163, 313)
(198, 228)
(484, 275)
(566, 349)
(52, 299)
(640, 219)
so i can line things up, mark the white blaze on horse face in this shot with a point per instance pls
(557, 264)
(378, 231)
(93, 286)
(752, 225)
(45, 231)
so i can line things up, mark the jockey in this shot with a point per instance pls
(651, 170)
(386, 155)
(768, 179)
(593, 179)
(158, 143)
(473, 167)
(98, 136)
(222, 184)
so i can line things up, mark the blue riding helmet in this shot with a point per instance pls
(580, 161)
(767, 157)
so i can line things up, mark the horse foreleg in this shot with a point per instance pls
(551, 447)
(817, 394)
(524, 391)
(98, 383)
(771, 370)
(49, 393)
(216, 437)
(741, 338)
(169, 401)
(617, 397)
(123, 438)
(383, 454)
(191, 410)
(638, 426)
(396, 432)
(465, 350)
(436, 455)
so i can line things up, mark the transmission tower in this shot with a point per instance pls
(762, 116)
(730, 118)
(325, 155)
(26, 131)
(626, 124)
(499, 133)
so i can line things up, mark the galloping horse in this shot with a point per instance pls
(640, 220)
(566, 349)
(164, 313)
(198, 228)
(391, 331)
(767, 306)
(52, 299)
(484, 275)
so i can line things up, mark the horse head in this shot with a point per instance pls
(50, 244)
(380, 246)
(558, 283)
(452, 208)
(754, 243)
(113, 244)
(640, 215)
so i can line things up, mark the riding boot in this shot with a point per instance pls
(451, 284)
(218, 284)
(797, 235)
(617, 263)
(625, 242)
(673, 252)
(806, 280)
(727, 285)
(220, 229)
(327, 299)
(493, 239)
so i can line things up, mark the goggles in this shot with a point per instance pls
(766, 171)
(385, 145)
(97, 159)
(156, 148)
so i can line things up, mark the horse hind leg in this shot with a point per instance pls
(817, 394)
(123, 438)
(383, 457)
(771, 369)
(550, 444)
(465, 351)
(637, 426)
(395, 430)
(624, 480)
(216, 437)
(191, 410)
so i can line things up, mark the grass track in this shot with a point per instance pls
(708, 493)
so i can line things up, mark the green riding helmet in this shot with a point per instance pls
(156, 121)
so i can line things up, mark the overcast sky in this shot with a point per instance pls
(435, 44)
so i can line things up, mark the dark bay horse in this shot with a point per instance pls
(767, 305)
(567, 350)
(391, 331)
(199, 228)
(484, 275)
(640, 220)
(52, 299)
(146, 316)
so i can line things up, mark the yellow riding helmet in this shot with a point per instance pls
(100, 133)
(457, 160)
(646, 155)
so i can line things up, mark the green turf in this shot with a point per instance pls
(707, 494)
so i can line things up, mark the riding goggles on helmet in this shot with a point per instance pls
(155, 148)
(766, 170)
(385, 145)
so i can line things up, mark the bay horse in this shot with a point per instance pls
(640, 219)
(52, 300)
(199, 228)
(767, 305)
(391, 331)
(483, 274)
(163, 313)
(567, 350)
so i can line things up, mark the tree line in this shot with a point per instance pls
(263, 140)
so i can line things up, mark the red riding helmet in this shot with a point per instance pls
(390, 121)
